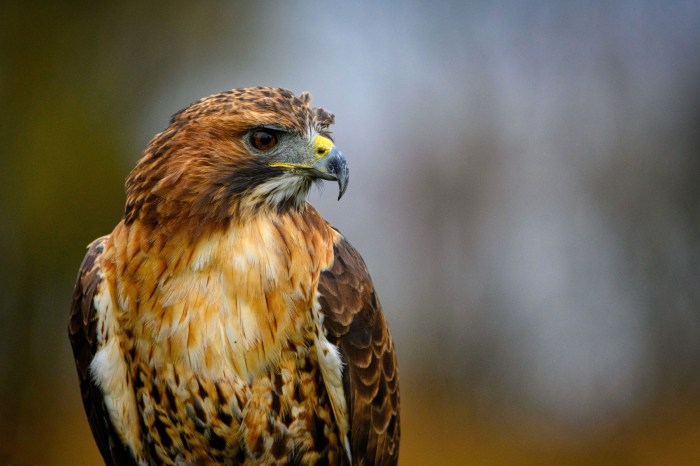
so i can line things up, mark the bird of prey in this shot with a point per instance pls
(223, 320)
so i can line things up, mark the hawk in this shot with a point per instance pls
(223, 320)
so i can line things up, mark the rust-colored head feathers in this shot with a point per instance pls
(202, 170)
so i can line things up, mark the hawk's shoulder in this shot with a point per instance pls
(355, 323)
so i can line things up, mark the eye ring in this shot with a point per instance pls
(263, 139)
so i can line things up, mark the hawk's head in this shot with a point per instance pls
(234, 154)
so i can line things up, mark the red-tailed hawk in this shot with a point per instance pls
(224, 321)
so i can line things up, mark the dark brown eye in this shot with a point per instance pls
(263, 139)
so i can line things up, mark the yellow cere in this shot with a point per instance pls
(322, 147)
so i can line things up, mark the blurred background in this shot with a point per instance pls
(525, 191)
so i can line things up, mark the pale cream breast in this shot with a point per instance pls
(225, 304)
(226, 310)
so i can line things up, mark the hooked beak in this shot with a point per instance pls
(333, 166)
(326, 163)
(329, 163)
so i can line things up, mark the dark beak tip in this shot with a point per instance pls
(343, 180)
(341, 172)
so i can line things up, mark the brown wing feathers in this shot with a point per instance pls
(82, 330)
(356, 325)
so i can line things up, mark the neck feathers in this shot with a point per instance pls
(225, 301)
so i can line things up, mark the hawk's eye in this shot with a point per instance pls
(263, 139)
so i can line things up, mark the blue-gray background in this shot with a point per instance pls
(525, 190)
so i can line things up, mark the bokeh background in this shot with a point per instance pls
(525, 190)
